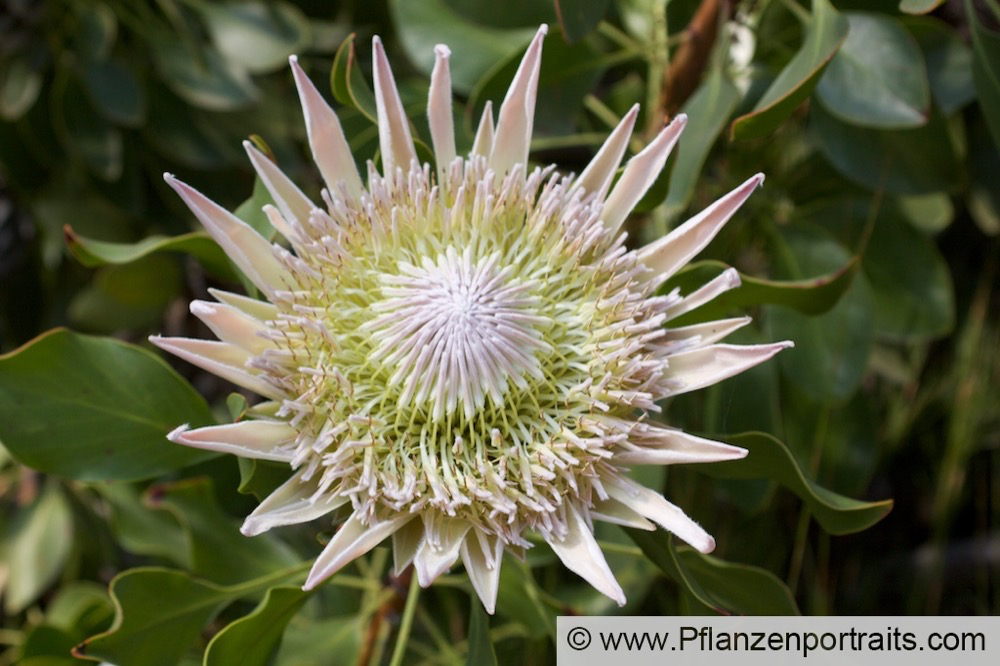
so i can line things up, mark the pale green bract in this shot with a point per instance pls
(466, 354)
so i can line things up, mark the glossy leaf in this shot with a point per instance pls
(824, 35)
(831, 350)
(877, 78)
(20, 83)
(476, 49)
(87, 134)
(253, 639)
(219, 552)
(348, 84)
(914, 161)
(127, 297)
(203, 77)
(918, 6)
(578, 18)
(34, 545)
(115, 92)
(769, 458)
(481, 651)
(115, 404)
(259, 36)
(910, 281)
(707, 110)
(92, 253)
(949, 62)
(810, 296)
(520, 600)
(719, 586)
(986, 69)
(159, 613)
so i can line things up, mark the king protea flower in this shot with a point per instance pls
(468, 353)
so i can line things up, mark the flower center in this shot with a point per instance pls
(455, 331)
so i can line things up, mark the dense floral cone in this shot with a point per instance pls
(465, 354)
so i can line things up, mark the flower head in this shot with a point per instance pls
(468, 353)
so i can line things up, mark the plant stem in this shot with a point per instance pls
(406, 623)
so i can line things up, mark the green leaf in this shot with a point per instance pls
(115, 404)
(910, 281)
(257, 36)
(251, 640)
(480, 645)
(219, 552)
(310, 643)
(476, 48)
(203, 77)
(831, 350)
(92, 253)
(87, 134)
(707, 110)
(984, 190)
(769, 458)
(80, 606)
(96, 30)
(913, 161)
(159, 614)
(568, 72)
(929, 213)
(578, 18)
(519, 599)
(810, 296)
(877, 79)
(719, 586)
(986, 69)
(252, 212)
(142, 530)
(918, 6)
(45, 645)
(949, 62)
(115, 92)
(824, 35)
(20, 83)
(348, 84)
(127, 297)
(260, 477)
(34, 545)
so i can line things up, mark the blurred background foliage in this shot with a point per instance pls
(873, 246)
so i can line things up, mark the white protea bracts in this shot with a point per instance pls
(466, 354)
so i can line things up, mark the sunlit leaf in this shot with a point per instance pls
(34, 545)
(824, 35)
(95, 408)
(877, 78)
(203, 77)
(252, 639)
(918, 6)
(259, 36)
(198, 244)
(20, 83)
